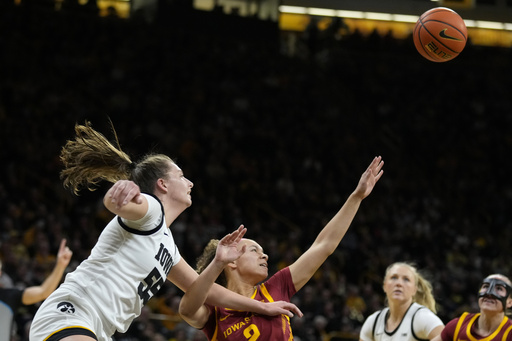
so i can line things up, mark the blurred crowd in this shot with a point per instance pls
(274, 129)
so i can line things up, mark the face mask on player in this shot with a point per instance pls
(490, 287)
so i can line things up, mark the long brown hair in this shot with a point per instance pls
(90, 158)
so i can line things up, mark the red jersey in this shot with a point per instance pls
(464, 329)
(233, 325)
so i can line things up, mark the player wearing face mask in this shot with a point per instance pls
(491, 323)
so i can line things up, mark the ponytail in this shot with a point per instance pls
(90, 158)
(424, 294)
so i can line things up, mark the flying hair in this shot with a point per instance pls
(90, 158)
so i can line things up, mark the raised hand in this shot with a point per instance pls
(227, 249)
(64, 254)
(370, 177)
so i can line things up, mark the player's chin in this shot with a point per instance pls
(264, 274)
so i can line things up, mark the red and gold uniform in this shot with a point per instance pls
(233, 325)
(464, 329)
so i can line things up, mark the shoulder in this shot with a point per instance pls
(280, 285)
(369, 325)
(422, 312)
(449, 329)
(281, 278)
(152, 219)
(372, 319)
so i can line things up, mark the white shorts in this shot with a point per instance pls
(67, 312)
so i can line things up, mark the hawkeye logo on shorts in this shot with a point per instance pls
(66, 307)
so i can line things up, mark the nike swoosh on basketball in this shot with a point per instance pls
(443, 34)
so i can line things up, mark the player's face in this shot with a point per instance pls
(400, 284)
(179, 186)
(493, 294)
(252, 265)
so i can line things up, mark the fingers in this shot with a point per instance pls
(64, 255)
(378, 168)
(291, 309)
(375, 167)
(235, 236)
(128, 196)
(240, 233)
(124, 191)
(62, 245)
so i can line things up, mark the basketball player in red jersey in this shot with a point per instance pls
(241, 265)
(490, 324)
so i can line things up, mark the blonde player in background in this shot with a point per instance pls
(134, 254)
(410, 314)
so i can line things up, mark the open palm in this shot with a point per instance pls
(227, 249)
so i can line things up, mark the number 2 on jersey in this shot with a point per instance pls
(252, 332)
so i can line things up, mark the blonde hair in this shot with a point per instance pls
(423, 294)
(90, 158)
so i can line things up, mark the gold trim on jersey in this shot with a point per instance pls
(285, 319)
(265, 293)
(214, 337)
(69, 327)
(470, 324)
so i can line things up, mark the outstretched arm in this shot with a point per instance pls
(38, 293)
(329, 238)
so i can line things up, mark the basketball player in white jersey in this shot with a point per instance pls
(410, 314)
(134, 254)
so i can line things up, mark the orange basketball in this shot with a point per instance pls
(440, 34)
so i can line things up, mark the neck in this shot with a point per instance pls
(171, 212)
(397, 310)
(243, 289)
(488, 323)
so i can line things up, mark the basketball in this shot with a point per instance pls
(440, 34)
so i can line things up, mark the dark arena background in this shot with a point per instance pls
(273, 110)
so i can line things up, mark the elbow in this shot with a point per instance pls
(184, 311)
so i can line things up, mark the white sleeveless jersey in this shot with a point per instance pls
(417, 323)
(127, 266)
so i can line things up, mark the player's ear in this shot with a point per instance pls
(509, 302)
(161, 185)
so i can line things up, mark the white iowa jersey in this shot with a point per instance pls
(127, 266)
(417, 323)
